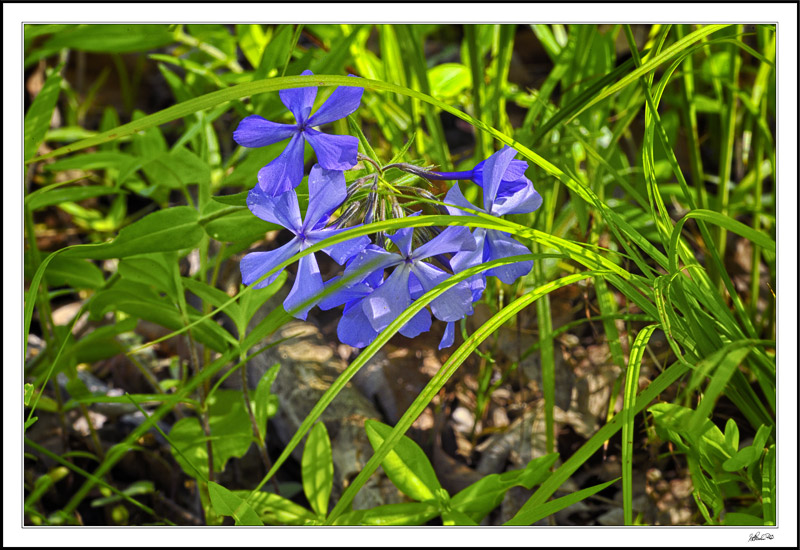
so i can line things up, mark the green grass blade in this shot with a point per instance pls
(628, 404)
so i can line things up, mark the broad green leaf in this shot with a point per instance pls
(215, 297)
(155, 270)
(401, 513)
(101, 160)
(317, 469)
(58, 196)
(167, 230)
(237, 226)
(37, 119)
(407, 466)
(117, 38)
(176, 169)
(237, 199)
(226, 503)
(102, 342)
(231, 434)
(256, 298)
(486, 494)
(532, 515)
(276, 510)
(741, 459)
(75, 273)
(163, 312)
(448, 80)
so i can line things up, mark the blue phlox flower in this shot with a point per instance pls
(411, 278)
(512, 183)
(354, 327)
(327, 190)
(492, 244)
(334, 152)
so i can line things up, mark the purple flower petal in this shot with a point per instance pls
(354, 327)
(402, 240)
(455, 303)
(451, 240)
(282, 210)
(286, 171)
(516, 170)
(299, 101)
(340, 252)
(449, 335)
(524, 201)
(342, 102)
(502, 245)
(326, 191)
(370, 260)
(493, 171)
(389, 300)
(344, 294)
(307, 285)
(256, 264)
(419, 323)
(457, 199)
(470, 258)
(334, 152)
(256, 131)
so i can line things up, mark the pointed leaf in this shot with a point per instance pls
(317, 468)
(227, 503)
(406, 465)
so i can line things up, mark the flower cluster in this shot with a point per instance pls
(382, 278)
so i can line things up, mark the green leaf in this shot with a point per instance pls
(137, 300)
(213, 296)
(110, 38)
(732, 435)
(542, 511)
(448, 80)
(401, 513)
(176, 169)
(231, 434)
(238, 226)
(151, 269)
(237, 199)
(406, 466)
(454, 517)
(37, 119)
(167, 230)
(30, 422)
(276, 510)
(738, 518)
(227, 503)
(101, 160)
(256, 297)
(486, 494)
(28, 394)
(58, 196)
(265, 404)
(75, 273)
(317, 469)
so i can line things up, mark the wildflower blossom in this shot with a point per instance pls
(333, 152)
(498, 175)
(411, 278)
(327, 190)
